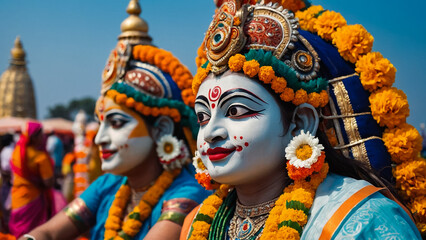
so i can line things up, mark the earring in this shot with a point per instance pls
(172, 153)
(305, 156)
(202, 175)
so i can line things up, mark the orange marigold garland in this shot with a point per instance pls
(352, 41)
(129, 102)
(134, 220)
(404, 143)
(307, 18)
(327, 23)
(169, 64)
(290, 213)
(375, 71)
(389, 107)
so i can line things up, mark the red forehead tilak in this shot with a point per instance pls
(214, 95)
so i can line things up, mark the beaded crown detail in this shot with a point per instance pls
(274, 51)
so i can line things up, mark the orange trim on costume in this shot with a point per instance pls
(338, 216)
(186, 227)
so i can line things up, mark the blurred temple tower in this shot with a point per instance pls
(16, 88)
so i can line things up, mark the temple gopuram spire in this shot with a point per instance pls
(134, 28)
(16, 88)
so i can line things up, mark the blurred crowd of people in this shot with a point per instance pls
(41, 172)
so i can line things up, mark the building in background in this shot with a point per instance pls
(16, 88)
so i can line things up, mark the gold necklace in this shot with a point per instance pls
(248, 221)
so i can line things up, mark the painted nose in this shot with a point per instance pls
(214, 133)
(102, 137)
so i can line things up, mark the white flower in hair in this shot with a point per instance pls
(303, 150)
(168, 148)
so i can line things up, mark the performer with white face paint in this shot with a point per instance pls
(296, 141)
(145, 138)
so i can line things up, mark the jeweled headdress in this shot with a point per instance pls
(148, 79)
(306, 54)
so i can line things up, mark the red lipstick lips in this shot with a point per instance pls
(105, 154)
(217, 154)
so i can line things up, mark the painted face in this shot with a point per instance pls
(123, 137)
(241, 137)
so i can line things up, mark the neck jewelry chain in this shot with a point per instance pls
(248, 221)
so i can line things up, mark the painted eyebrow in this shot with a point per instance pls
(202, 100)
(236, 90)
(108, 116)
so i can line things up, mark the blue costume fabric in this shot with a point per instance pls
(376, 217)
(101, 193)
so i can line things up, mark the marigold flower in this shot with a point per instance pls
(294, 215)
(251, 68)
(201, 56)
(307, 18)
(214, 201)
(375, 71)
(411, 178)
(404, 142)
(109, 233)
(130, 102)
(206, 181)
(236, 62)
(301, 96)
(198, 79)
(314, 99)
(146, 111)
(352, 41)
(293, 5)
(418, 207)
(279, 84)
(327, 23)
(287, 95)
(288, 233)
(266, 74)
(389, 107)
(121, 98)
(324, 98)
(208, 210)
(131, 227)
(201, 229)
(139, 107)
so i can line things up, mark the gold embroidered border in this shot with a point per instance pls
(359, 151)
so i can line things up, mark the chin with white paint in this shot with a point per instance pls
(241, 137)
(123, 137)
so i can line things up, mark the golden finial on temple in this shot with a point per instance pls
(134, 28)
(17, 52)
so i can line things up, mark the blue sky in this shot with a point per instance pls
(68, 42)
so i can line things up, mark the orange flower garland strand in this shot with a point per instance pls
(389, 106)
(200, 227)
(169, 64)
(266, 75)
(130, 102)
(292, 206)
(140, 213)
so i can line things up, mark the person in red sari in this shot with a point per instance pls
(33, 198)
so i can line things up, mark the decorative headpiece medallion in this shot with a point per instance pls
(270, 27)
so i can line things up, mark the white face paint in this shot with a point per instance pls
(123, 137)
(241, 137)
